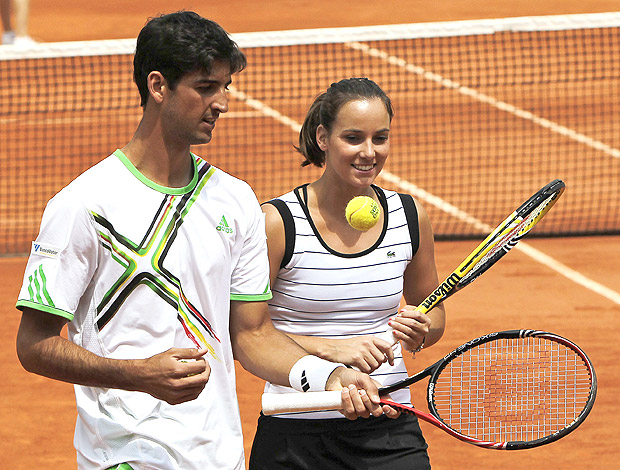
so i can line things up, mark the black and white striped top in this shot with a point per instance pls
(322, 292)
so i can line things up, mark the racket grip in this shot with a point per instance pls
(273, 403)
(387, 336)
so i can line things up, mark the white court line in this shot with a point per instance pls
(528, 250)
(444, 206)
(484, 98)
(264, 109)
(533, 253)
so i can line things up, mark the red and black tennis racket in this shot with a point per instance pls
(510, 390)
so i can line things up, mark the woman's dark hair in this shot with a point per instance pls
(324, 110)
(179, 43)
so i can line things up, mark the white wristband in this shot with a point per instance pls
(310, 373)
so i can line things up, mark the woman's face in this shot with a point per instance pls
(358, 144)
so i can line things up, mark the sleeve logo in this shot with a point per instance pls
(44, 250)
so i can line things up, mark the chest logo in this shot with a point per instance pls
(223, 226)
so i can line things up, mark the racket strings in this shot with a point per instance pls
(513, 390)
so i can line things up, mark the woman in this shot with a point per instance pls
(335, 289)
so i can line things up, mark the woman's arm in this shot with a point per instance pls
(411, 327)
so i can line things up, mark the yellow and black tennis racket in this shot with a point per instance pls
(499, 242)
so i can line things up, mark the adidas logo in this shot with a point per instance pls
(223, 226)
(305, 386)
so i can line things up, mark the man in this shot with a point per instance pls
(158, 262)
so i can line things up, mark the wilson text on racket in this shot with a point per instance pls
(441, 291)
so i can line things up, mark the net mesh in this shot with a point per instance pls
(487, 112)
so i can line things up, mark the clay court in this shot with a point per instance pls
(554, 286)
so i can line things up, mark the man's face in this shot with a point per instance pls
(190, 110)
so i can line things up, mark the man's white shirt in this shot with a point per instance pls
(137, 269)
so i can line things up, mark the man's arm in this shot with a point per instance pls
(270, 354)
(366, 352)
(42, 350)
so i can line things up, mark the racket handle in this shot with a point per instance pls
(387, 336)
(273, 403)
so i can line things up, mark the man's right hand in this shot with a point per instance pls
(174, 376)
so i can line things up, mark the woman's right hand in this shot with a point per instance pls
(365, 353)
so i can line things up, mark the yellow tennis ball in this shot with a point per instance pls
(362, 213)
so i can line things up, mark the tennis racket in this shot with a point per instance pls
(499, 242)
(510, 390)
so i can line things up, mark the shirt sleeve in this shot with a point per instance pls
(62, 259)
(250, 277)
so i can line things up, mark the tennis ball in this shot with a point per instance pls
(362, 213)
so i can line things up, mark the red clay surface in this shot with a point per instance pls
(75, 20)
(37, 415)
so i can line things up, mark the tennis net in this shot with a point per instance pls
(487, 112)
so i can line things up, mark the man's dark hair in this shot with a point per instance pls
(179, 43)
